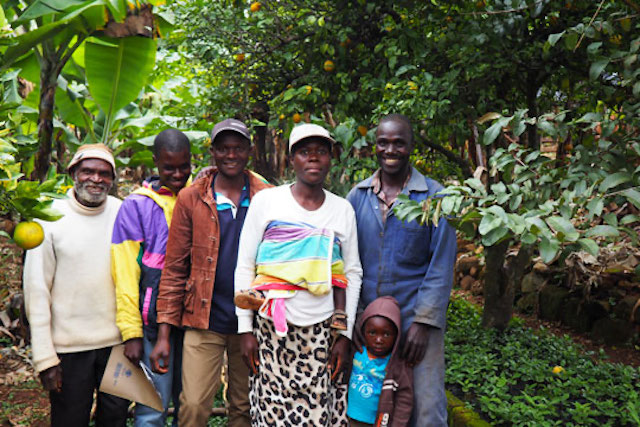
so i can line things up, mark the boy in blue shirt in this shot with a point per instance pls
(381, 384)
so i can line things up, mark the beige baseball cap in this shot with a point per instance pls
(93, 151)
(308, 130)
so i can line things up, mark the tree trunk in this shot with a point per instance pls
(500, 282)
(532, 105)
(498, 295)
(48, 85)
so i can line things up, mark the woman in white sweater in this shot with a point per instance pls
(296, 378)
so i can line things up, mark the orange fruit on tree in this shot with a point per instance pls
(362, 130)
(329, 66)
(297, 118)
(281, 117)
(255, 6)
(239, 57)
(309, 89)
(28, 234)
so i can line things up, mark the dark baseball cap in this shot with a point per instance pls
(232, 125)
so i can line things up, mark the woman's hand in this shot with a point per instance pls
(249, 351)
(340, 355)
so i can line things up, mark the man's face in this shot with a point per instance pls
(311, 160)
(174, 168)
(379, 336)
(231, 153)
(393, 147)
(92, 181)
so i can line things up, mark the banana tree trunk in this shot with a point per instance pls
(48, 84)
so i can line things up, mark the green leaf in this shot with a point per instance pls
(633, 196)
(602, 231)
(27, 41)
(595, 207)
(597, 68)
(476, 184)
(564, 228)
(629, 219)
(528, 238)
(614, 180)
(548, 249)
(47, 7)
(488, 223)
(117, 69)
(494, 130)
(553, 38)
(494, 236)
(590, 246)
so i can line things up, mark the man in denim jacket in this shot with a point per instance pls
(411, 262)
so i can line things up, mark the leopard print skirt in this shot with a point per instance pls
(293, 385)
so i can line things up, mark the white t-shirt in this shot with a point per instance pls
(304, 309)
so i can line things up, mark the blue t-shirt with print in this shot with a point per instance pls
(365, 385)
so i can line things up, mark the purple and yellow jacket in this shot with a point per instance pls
(138, 248)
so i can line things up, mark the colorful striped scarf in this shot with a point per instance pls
(294, 257)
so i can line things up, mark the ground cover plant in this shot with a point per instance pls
(526, 377)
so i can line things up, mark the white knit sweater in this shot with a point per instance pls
(336, 213)
(69, 294)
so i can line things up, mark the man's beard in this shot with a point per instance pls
(89, 198)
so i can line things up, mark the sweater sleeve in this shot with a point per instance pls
(39, 271)
(125, 269)
(250, 238)
(403, 398)
(353, 270)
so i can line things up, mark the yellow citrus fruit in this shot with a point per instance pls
(362, 130)
(309, 88)
(239, 57)
(329, 66)
(557, 370)
(28, 234)
(282, 116)
(255, 6)
(297, 118)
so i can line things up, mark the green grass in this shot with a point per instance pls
(508, 376)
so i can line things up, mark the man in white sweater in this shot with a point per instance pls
(70, 296)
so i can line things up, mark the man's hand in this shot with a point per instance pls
(133, 350)
(159, 357)
(340, 355)
(52, 378)
(249, 351)
(415, 345)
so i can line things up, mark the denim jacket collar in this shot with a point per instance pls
(416, 183)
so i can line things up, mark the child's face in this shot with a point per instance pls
(379, 336)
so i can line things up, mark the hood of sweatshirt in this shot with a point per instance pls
(386, 307)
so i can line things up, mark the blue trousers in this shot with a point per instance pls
(429, 398)
(168, 385)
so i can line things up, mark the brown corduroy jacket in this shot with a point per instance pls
(186, 286)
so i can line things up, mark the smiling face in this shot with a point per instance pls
(92, 181)
(231, 153)
(174, 168)
(379, 335)
(311, 159)
(393, 147)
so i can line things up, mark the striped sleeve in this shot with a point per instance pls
(125, 268)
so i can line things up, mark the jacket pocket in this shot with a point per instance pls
(189, 290)
(414, 245)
